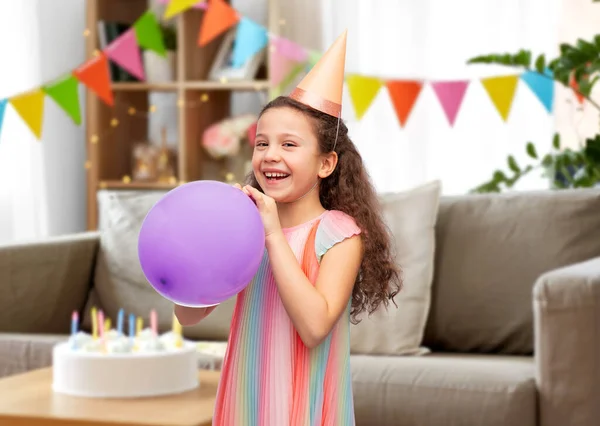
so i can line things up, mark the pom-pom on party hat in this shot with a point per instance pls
(322, 87)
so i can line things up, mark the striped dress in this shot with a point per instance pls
(269, 378)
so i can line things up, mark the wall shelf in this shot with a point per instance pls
(113, 131)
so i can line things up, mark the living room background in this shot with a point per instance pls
(43, 183)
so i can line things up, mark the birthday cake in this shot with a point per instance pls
(109, 363)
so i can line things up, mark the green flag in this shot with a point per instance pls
(149, 34)
(65, 94)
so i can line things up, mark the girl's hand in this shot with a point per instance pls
(266, 207)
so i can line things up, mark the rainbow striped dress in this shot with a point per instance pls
(269, 378)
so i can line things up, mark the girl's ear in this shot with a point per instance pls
(328, 164)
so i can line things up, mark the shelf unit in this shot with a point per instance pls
(112, 131)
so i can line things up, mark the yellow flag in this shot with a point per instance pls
(177, 6)
(362, 92)
(502, 92)
(30, 106)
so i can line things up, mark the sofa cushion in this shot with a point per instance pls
(119, 281)
(436, 389)
(43, 282)
(411, 217)
(23, 352)
(491, 249)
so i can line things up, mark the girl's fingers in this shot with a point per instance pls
(237, 185)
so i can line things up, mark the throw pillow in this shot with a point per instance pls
(411, 217)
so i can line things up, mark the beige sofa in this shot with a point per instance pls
(511, 334)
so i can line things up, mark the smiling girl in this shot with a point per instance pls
(327, 260)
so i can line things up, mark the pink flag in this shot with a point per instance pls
(289, 49)
(125, 52)
(279, 66)
(450, 95)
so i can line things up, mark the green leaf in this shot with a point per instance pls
(556, 141)
(530, 148)
(592, 150)
(540, 64)
(512, 164)
(587, 48)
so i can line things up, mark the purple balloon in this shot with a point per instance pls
(201, 243)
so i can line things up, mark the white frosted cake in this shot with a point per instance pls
(111, 364)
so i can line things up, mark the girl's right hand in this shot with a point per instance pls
(191, 316)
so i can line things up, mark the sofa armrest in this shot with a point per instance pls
(566, 305)
(42, 282)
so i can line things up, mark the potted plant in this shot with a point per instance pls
(577, 67)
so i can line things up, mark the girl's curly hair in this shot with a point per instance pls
(349, 189)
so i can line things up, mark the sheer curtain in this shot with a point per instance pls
(42, 182)
(432, 40)
(23, 211)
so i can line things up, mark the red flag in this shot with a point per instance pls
(218, 18)
(95, 75)
(404, 94)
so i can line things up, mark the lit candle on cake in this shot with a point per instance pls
(154, 322)
(74, 323)
(94, 323)
(177, 331)
(101, 323)
(120, 321)
(107, 325)
(131, 326)
(139, 325)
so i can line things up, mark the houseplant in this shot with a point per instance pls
(577, 67)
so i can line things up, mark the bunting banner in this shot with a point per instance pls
(3, 103)
(250, 39)
(450, 94)
(218, 18)
(175, 7)
(65, 93)
(30, 106)
(287, 62)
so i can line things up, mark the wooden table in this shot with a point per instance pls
(28, 399)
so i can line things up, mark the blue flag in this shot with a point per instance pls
(3, 103)
(541, 85)
(250, 39)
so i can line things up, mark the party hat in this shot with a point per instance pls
(322, 87)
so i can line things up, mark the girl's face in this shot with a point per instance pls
(286, 159)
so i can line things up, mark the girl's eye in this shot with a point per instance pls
(261, 143)
(288, 143)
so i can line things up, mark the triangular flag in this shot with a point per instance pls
(148, 33)
(542, 85)
(95, 75)
(65, 93)
(289, 78)
(362, 92)
(30, 106)
(289, 49)
(450, 94)
(250, 39)
(3, 103)
(125, 52)
(279, 66)
(502, 92)
(175, 7)
(218, 18)
(573, 85)
(404, 94)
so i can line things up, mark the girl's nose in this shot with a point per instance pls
(272, 154)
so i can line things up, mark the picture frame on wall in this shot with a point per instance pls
(222, 68)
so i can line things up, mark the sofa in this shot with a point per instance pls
(498, 322)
